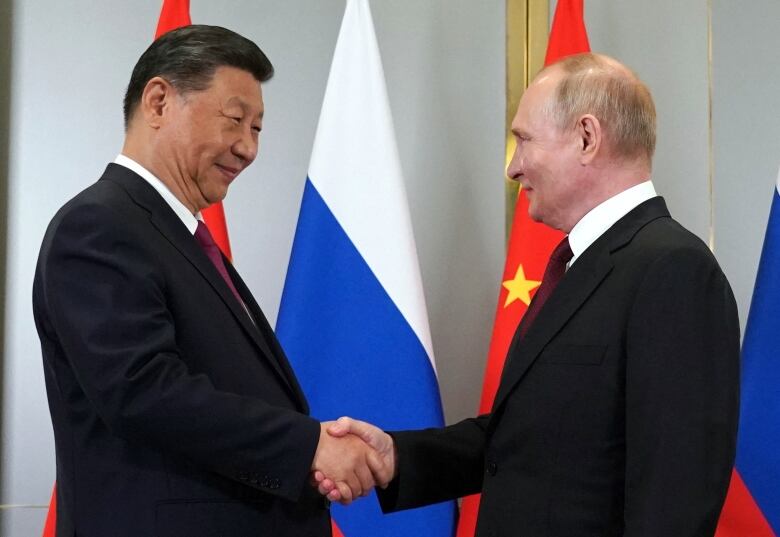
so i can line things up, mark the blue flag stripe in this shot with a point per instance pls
(758, 448)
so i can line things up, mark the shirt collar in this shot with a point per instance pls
(603, 216)
(187, 218)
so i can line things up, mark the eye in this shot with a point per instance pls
(235, 119)
(256, 129)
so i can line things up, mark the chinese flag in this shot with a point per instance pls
(530, 246)
(174, 14)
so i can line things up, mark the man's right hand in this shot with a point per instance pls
(382, 462)
(349, 463)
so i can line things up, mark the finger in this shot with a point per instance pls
(353, 481)
(346, 493)
(379, 469)
(318, 476)
(366, 479)
(340, 427)
(326, 486)
(334, 495)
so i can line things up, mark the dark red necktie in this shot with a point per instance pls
(206, 241)
(553, 274)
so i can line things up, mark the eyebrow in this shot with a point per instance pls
(243, 104)
(519, 132)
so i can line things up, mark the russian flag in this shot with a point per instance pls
(352, 319)
(753, 503)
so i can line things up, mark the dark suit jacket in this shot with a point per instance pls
(173, 414)
(616, 414)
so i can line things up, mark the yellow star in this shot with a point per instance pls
(519, 288)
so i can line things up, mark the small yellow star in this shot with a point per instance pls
(520, 288)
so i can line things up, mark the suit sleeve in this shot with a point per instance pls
(105, 299)
(435, 465)
(682, 397)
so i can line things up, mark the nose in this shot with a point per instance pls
(246, 146)
(515, 168)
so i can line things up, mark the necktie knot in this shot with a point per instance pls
(203, 236)
(562, 253)
(553, 274)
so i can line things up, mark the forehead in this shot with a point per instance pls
(233, 86)
(535, 98)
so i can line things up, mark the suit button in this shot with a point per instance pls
(492, 467)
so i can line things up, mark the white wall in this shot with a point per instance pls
(445, 73)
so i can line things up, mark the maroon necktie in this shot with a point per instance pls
(206, 241)
(553, 274)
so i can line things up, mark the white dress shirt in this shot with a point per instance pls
(602, 217)
(189, 220)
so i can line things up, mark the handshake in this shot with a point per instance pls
(352, 457)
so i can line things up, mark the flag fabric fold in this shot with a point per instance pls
(752, 505)
(352, 318)
(529, 248)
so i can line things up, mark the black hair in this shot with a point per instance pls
(187, 58)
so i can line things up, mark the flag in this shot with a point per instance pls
(352, 318)
(529, 248)
(752, 507)
(174, 14)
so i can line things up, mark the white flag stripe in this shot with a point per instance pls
(356, 168)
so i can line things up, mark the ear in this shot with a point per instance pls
(156, 100)
(590, 137)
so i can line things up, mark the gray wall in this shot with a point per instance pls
(746, 132)
(444, 63)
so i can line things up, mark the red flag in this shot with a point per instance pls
(50, 527)
(530, 246)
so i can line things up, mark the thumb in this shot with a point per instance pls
(340, 427)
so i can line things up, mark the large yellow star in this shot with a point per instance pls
(520, 288)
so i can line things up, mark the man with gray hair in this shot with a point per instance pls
(617, 410)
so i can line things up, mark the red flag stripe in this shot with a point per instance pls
(741, 516)
(530, 245)
(335, 528)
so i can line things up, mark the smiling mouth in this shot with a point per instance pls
(228, 172)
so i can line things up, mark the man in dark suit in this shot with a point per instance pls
(175, 411)
(617, 410)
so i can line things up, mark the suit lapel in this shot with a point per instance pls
(172, 229)
(264, 328)
(571, 293)
(575, 288)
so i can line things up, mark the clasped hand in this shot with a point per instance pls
(352, 457)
